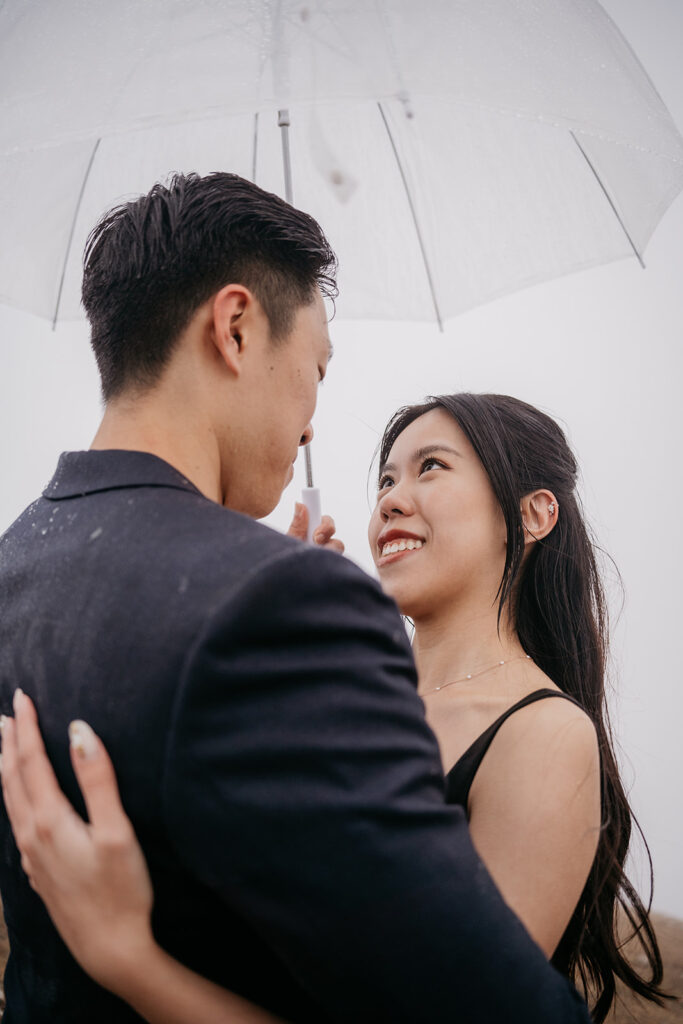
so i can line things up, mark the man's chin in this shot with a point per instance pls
(255, 508)
(258, 506)
(268, 505)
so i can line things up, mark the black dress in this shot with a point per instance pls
(461, 776)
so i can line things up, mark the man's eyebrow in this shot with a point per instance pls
(421, 453)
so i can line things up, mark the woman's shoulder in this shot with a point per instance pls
(551, 718)
(535, 812)
(547, 742)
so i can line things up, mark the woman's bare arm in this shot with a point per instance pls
(90, 873)
(535, 814)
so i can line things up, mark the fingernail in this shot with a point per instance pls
(298, 510)
(82, 740)
(16, 699)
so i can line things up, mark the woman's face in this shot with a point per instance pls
(437, 533)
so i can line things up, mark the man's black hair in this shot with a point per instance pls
(150, 264)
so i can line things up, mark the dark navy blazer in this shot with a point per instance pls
(258, 697)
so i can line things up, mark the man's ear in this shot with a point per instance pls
(229, 312)
(539, 514)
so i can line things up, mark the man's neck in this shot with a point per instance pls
(157, 424)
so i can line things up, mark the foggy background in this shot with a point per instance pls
(599, 350)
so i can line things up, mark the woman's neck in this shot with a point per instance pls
(460, 641)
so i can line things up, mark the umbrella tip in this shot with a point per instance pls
(404, 98)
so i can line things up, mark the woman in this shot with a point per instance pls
(478, 535)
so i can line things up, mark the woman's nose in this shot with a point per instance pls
(395, 502)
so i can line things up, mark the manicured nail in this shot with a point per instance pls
(16, 699)
(83, 740)
(298, 510)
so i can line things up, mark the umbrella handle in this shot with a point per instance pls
(311, 499)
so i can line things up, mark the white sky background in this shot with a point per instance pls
(600, 350)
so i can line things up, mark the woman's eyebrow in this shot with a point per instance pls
(429, 449)
(421, 453)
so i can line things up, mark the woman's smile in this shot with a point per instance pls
(395, 544)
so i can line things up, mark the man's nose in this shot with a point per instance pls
(307, 435)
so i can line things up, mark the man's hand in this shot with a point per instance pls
(324, 534)
(92, 877)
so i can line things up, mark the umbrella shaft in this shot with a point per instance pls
(309, 466)
(283, 124)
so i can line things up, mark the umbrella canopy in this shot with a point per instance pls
(452, 150)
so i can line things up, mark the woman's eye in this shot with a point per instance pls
(386, 481)
(430, 464)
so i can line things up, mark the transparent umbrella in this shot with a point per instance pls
(453, 150)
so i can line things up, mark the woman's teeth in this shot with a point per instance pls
(400, 545)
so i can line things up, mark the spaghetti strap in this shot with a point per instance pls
(461, 776)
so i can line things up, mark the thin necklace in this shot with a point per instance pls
(475, 675)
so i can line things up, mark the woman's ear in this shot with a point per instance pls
(540, 510)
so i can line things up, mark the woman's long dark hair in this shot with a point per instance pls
(558, 608)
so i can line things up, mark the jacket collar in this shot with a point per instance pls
(80, 473)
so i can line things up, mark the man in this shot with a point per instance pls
(257, 694)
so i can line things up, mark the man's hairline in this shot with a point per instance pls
(135, 389)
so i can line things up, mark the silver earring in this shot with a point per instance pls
(551, 508)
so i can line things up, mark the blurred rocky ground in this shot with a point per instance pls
(628, 1008)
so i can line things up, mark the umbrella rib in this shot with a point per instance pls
(609, 199)
(255, 150)
(413, 212)
(73, 229)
